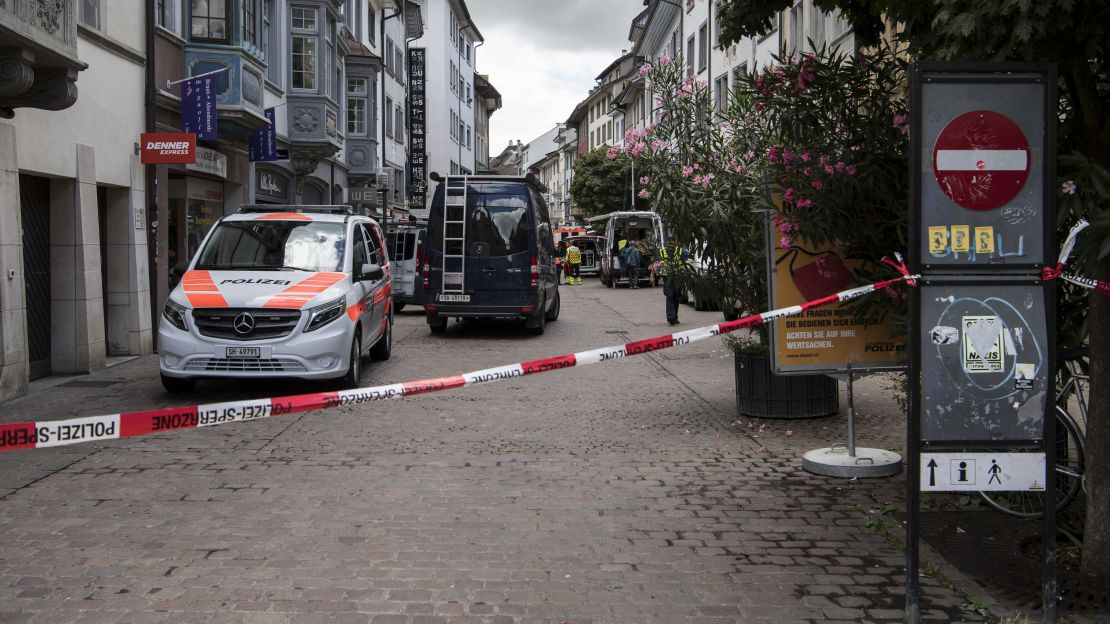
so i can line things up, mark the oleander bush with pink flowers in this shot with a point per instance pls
(814, 146)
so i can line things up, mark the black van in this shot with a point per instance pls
(490, 252)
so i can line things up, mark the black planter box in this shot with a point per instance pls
(762, 394)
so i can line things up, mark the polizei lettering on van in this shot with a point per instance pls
(257, 281)
(64, 432)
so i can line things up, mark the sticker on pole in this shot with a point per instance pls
(981, 160)
(982, 472)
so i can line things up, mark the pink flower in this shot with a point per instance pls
(665, 60)
(850, 170)
(706, 179)
(643, 194)
(788, 195)
(808, 171)
(658, 144)
(638, 148)
(840, 165)
(773, 153)
(614, 151)
(829, 169)
(645, 70)
(817, 184)
(823, 161)
(803, 202)
(697, 166)
(787, 155)
(785, 243)
(805, 156)
(788, 433)
(758, 107)
(697, 179)
(1068, 187)
(686, 171)
(644, 180)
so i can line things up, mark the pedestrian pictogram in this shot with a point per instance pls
(994, 471)
(981, 160)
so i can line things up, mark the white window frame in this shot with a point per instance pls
(358, 98)
(308, 34)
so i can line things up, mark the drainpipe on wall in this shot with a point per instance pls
(151, 196)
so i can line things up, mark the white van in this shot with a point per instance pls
(406, 253)
(630, 226)
(280, 291)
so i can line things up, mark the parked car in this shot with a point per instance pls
(490, 252)
(643, 226)
(280, 291)
(406, 253)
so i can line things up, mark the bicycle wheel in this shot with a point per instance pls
(1069, 475)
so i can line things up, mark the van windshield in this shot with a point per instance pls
(273, 246)
(497, 220)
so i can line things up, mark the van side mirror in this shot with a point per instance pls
(372, 272)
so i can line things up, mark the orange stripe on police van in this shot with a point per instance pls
(201, 291)
(284, 216)
(299, 294)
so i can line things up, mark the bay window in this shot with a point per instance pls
(209, 21)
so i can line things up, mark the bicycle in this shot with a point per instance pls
(1072, 387)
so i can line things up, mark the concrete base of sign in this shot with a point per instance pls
(868, 462)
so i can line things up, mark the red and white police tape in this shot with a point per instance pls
(1051, 273)
(132, 424)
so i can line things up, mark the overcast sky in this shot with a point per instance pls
(543, 57)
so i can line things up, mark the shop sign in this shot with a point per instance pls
(209, 161)
(418, 163)
(271, 184)
(365, 196)
(168, 148)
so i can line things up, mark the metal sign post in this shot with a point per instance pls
(982, 320)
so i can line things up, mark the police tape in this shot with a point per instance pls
(44, 434)
(1051, 273)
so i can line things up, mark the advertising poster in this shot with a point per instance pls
(825, 339)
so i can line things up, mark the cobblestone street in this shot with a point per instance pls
(622, 492)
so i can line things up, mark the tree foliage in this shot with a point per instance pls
(600, 185)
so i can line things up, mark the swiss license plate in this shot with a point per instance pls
(243, 353)
(454, 298)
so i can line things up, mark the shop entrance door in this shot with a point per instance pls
(34, 200)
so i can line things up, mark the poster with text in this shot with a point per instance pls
(825, 339)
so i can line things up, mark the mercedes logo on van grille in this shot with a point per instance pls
(243, 324)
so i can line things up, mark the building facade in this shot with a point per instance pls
(449, 42)
(74, 290)
(487, 101)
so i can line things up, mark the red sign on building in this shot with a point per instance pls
(981, 160)
(169, 148)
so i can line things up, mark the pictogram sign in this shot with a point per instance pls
(982, 472)
(981, 160)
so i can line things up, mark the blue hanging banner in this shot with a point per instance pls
(262, 146)
(198, 107)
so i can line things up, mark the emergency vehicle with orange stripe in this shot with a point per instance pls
(280, 291)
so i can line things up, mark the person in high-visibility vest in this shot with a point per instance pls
(671, 257)
(573, 260)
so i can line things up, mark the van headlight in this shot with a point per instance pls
(323, 314)
(175, 314)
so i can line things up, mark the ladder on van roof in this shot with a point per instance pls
(454, 234)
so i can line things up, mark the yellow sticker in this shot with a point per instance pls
(961, 238)
(938, 239)
(984, 240)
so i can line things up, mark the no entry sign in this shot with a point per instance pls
(981, 160)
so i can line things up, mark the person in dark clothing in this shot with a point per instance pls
(671, 257)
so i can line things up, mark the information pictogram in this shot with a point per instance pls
(981, 160)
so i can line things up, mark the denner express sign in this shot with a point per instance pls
(169, 148)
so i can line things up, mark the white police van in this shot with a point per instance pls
(280, 291)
